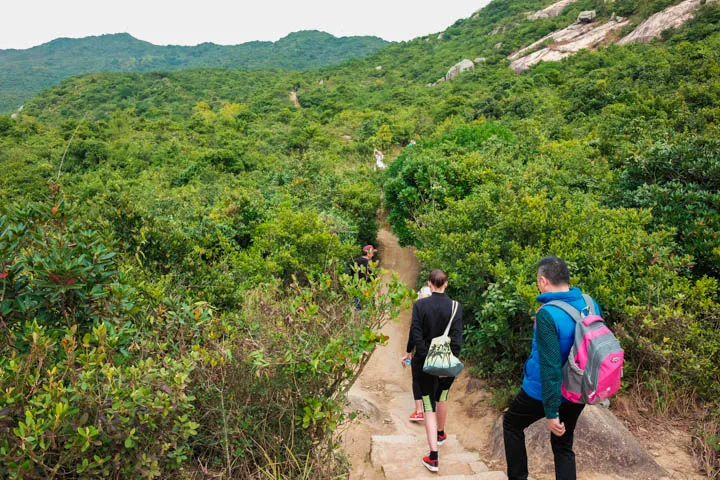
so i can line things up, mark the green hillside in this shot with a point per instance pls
(26, 72)
(178, 245)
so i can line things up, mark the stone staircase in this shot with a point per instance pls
(399, 457)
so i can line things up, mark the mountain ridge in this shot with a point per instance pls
(24, 72)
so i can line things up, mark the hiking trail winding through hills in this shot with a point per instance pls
(381, 443)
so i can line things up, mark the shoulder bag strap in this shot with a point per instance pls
(452, 317)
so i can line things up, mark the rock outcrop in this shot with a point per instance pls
(564, 43)
(458, 68)
(587, 16)
(602, 445)
(586, 34)
(671, 17)
(455, 71)
(552, 11)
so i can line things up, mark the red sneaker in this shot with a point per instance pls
(441, 439)
(431, 465)
(417, 417)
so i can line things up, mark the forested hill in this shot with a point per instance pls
(25, 72)
(175, 247)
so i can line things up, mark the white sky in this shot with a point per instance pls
(26, 23)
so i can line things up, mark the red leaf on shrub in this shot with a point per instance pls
(3, 274)
(59, 279)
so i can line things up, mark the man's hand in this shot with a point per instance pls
(407, 356)
(556, 426)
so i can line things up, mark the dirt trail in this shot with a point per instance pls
(383, 397)
(383, 392)
(294, 99)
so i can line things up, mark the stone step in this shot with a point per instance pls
(399, 449)
(476, 476)
(400, 458)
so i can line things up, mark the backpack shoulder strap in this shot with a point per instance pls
(567, 308)
(452, 317)
(590, 304)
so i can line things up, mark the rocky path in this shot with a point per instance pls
(294, 99)
(383, 443)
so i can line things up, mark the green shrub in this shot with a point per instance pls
(85, 393)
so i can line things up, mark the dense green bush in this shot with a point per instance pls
(81, 398)
(680, 181)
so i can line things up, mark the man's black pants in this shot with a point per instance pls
(523, 412)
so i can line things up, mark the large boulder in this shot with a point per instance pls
(458, 68)
(587, 16)
(671, 17)
(552, 11)
(602, 445)
(565, 42)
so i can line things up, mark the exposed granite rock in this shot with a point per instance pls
(587, 16)
(552, 11)
(459, 68)
(671, 17)
(565, 42)
(602, 445)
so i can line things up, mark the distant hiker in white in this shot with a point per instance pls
(379, 160)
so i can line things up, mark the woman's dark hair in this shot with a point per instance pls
(437, 277)
(555, 270)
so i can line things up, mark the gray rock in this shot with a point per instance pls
(671, 17)
(552, 11)
(459, 68)
(378, 68)
(479, 60)
(498, 45)
(440, 36)
(587, 16)
(602, 445)
(364, 408)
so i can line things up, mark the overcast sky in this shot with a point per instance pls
(26, 23)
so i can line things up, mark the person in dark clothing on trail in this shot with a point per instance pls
(430, 317)
(540, 395)
(418, 414)
(361, 266)
(362, 263)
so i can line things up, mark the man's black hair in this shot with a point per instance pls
(437, 277)
(555, 270)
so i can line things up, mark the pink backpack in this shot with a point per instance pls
(594, 366)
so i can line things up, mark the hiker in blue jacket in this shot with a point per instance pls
(540, 395)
